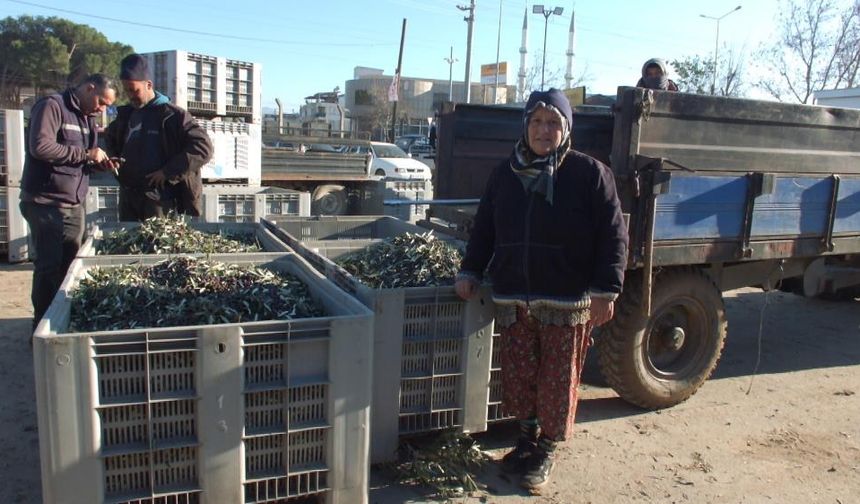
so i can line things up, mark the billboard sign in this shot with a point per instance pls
(488, 73)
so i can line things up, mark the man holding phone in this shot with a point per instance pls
(62, 151)
(162, 149)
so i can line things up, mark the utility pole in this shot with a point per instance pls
(470, 20)
(396, 83)
(498, 43)
(451, 59)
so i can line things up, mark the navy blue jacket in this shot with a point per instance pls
(55, 169)
(563, 251)
(185, 148)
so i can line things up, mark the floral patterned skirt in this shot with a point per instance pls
(541, 368)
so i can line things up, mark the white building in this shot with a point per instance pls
(325, 111)
(209, 86)
(418, 100)
(844, 98)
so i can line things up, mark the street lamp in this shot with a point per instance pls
(538, 9)
(451, 60)
(717, 45)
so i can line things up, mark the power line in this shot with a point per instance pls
(194, 32)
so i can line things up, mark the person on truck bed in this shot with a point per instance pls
(655, 75)
(549, 226)
(162, 146)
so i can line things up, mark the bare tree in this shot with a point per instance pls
(818, 47)
(553, 77)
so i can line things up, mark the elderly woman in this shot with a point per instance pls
(655, 75)
(551, 222)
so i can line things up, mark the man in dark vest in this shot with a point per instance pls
(163, 149)
(62, 150)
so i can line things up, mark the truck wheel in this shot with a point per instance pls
(660, 361)
(380, 172)
(329, 200)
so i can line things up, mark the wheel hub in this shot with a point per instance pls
(673, 338)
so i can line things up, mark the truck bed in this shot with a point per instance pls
(284, 164)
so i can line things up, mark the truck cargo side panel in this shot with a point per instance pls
(707, 133)
(848, 207)
(797, 207)
(701, 208)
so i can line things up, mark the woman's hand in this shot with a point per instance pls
(466, 287)
(602, 310)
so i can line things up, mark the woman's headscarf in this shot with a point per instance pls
(659, 82)
(537, 173)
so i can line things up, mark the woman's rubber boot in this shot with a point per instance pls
(539, 466)
(514, 462)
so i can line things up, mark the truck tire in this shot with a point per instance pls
(329, 199)
(380, 172)
(660, 361)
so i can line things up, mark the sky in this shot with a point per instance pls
(308, 47)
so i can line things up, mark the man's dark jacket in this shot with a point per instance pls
(576, 246)
(185, 148)
(55, 170)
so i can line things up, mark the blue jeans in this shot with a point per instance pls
(57, 234)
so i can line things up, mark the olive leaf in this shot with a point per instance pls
(185, 291)
(407, 260)
(173, 235)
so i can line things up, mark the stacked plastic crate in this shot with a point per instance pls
(237, 151)
(228, 203)
(221, 203)
(14, 233)
(102, 204)
(442, 343)
(407, 190)
(249, 412)
(209, 86)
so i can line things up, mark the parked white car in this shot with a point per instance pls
(390, 161)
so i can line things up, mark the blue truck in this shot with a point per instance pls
(719, 193)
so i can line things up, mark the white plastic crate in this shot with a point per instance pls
(14, 231)
(258, 412)
(221, 203)
(4, 170)
(407, 190)
(343, 227)
(102, 205)
(228, 203)
(237, 151)
(209, 85)
(265, 238)
(4, 220)
(495, 405)
(443, 344)
(11, 147)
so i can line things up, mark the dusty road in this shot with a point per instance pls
(788, 434)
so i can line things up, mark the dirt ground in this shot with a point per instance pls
(789, 433)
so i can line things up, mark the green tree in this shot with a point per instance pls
(51, 53)
(695, 74)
